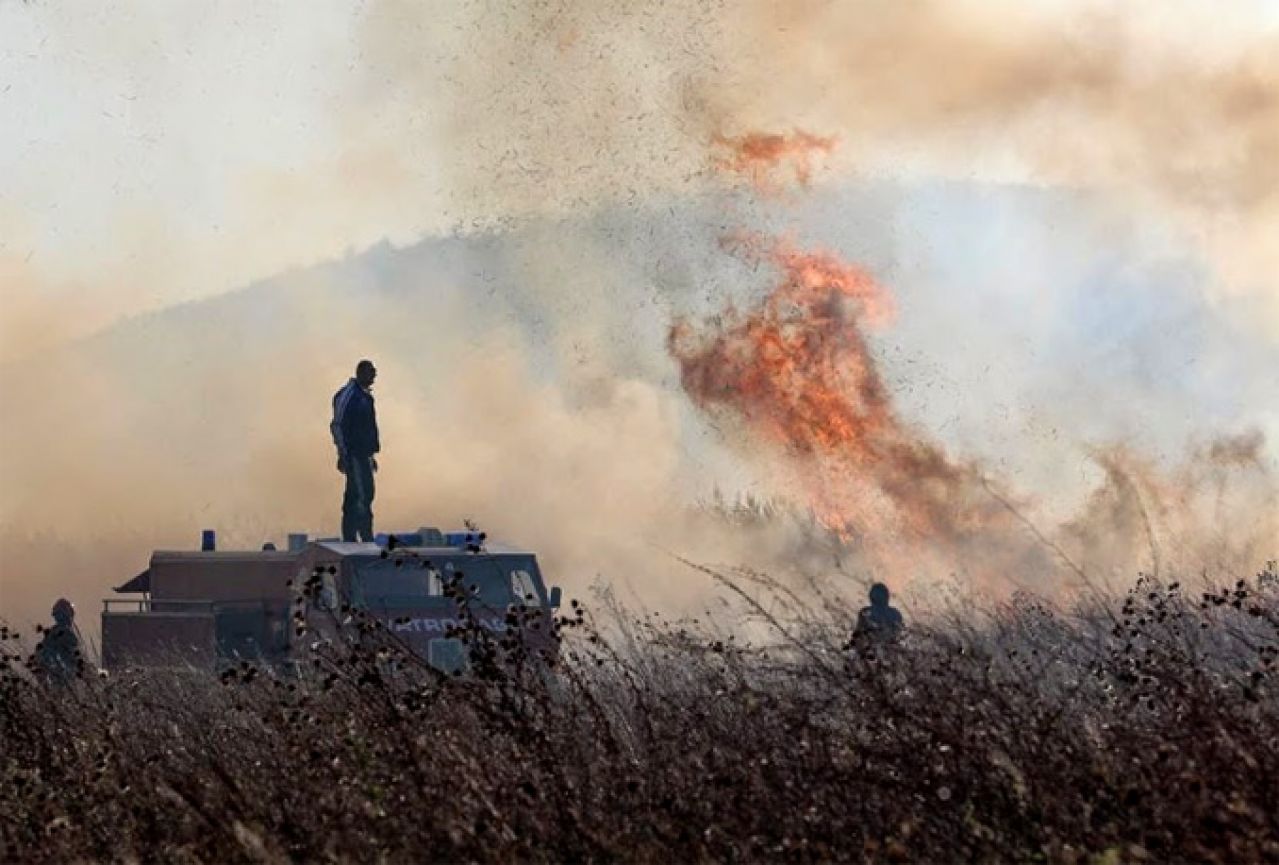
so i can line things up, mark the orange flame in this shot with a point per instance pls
(798, 372)
(757, 155)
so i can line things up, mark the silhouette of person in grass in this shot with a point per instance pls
(354, 430)
(879, 622)
(59, 652)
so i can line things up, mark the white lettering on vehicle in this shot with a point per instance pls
(439, 626)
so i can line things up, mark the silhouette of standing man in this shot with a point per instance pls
(354, 431)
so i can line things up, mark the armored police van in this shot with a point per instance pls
(206, 608)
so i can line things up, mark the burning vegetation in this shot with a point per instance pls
(761, 157)
(796, 376)
(1053, 726)
(797, 372)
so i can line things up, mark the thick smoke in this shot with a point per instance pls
(528, 384)
(215, 415)
(800, 374)
(796, 374)
(1214, 512)
(566, 104)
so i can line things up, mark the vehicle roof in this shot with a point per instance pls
(142, 582)
(223, 555)
(350, 548)
(165, 559)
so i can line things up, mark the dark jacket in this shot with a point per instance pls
(878, 622)
(59, 652)
(354, 424)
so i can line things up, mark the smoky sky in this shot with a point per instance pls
(209, 214)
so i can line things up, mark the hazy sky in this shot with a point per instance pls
(139, 137)
(155, 152)
(1075, 205)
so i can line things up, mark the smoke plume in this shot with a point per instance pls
(569, 104)
(557, 177)
(797, 374)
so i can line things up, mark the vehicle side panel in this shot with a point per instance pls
(158, 639)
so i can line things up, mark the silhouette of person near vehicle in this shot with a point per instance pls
(880, 622)
(58, 653)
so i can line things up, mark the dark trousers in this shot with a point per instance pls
(357, 501)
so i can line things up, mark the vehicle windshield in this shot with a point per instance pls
(494, 581)
(380, 583)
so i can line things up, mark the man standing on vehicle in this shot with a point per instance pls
(354, 431)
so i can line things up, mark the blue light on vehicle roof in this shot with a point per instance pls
(402, 539)
(431, 537)
(463, 539)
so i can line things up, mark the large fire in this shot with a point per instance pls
(758, 155)
(798, 373)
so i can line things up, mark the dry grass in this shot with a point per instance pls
(1144, 728)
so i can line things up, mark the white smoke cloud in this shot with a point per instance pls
(163, 156)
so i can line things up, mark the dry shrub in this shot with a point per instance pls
(1130, 729)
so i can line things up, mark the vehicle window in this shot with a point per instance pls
(493, 582)
(490, 585)
(434, 582)
(523, 589)
(485, 579)
(328, 592)
(380, 583)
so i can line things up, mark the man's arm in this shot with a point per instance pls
(863, 624)
(340, 402)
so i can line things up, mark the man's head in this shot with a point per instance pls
(879, 595)
(365, 372)
(63, 612)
